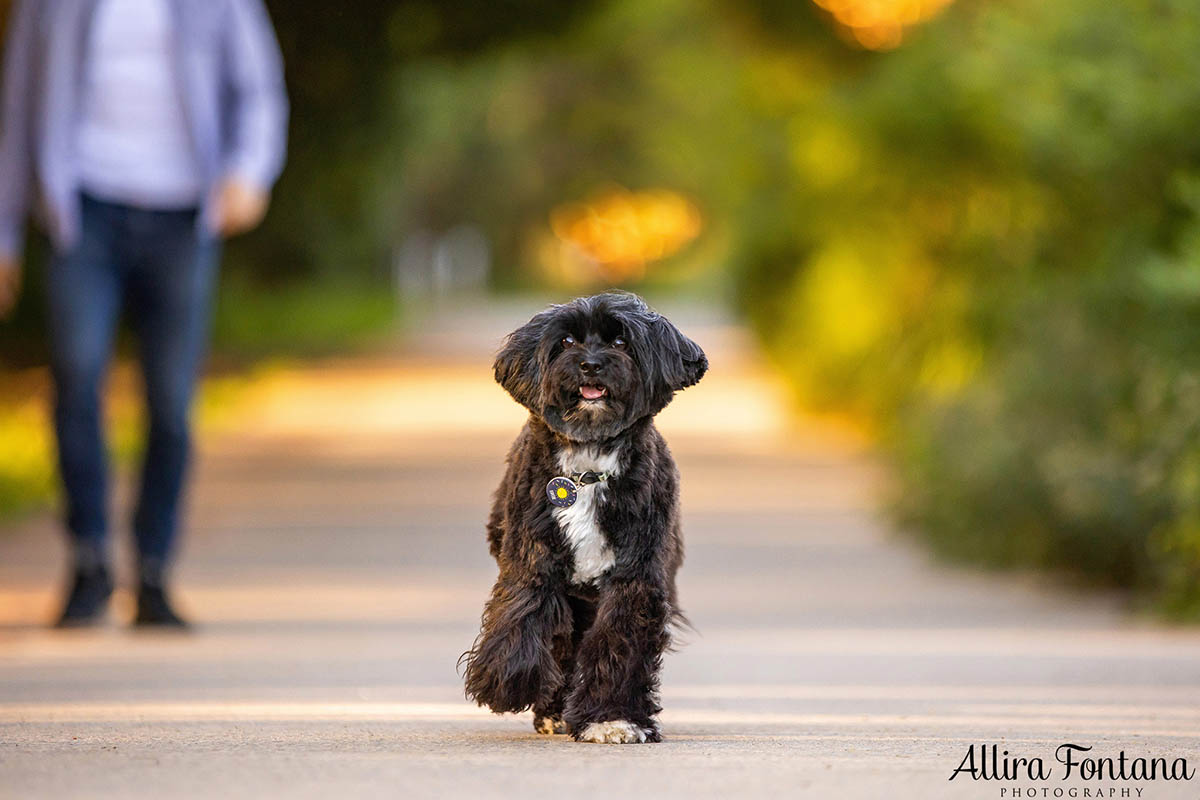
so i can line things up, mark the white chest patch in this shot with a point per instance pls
(579, 522)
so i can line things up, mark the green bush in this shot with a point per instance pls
(995, 258)
(1076, 448)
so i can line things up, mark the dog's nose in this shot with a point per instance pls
(590, 366)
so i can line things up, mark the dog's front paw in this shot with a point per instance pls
(617, 731)
(550, 725)
(500, 681)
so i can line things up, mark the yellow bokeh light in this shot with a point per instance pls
(618, 232)
(880, 24)
(843, 301)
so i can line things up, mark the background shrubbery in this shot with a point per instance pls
(996, 258)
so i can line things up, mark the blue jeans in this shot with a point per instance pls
(160, 269)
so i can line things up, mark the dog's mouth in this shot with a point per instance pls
(592, 392)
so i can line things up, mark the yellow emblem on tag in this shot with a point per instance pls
(561, 492)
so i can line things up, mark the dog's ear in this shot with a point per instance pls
(518, 365)
(680, 362)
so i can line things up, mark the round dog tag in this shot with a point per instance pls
(562, 492)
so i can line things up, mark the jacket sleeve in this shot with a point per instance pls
(16, 154)
(260, 105)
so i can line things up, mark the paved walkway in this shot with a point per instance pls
(337, 566)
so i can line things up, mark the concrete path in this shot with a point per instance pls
(337, 566)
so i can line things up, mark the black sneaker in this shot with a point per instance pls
(88, 601)
(154, 610)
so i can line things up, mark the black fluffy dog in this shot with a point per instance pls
(585, 526)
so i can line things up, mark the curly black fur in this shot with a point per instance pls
(581, 651)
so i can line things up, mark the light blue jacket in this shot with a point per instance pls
(231, 83)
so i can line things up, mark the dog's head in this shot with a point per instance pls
(592, 367)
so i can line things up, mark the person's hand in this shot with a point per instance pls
(10, 284)
(240, 206)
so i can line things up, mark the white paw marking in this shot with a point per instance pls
(579, 521)
(616, 731)
(549, 726)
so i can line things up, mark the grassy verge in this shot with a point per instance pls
(26, 463)
(299, 320)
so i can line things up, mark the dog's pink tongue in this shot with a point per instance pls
(591, 392)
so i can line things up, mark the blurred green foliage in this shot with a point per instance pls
(300, 318)
(994, 255)
(638, 95)
(342, 61)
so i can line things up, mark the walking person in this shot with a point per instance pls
(139, 132)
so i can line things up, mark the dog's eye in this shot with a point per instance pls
(619, 342)
(568, 341)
